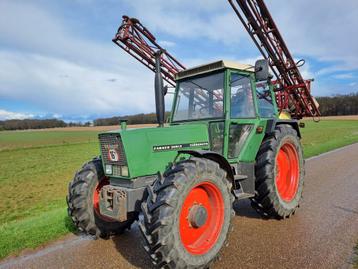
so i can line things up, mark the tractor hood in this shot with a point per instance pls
(145, 151)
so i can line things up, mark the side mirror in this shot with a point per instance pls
(262, 70)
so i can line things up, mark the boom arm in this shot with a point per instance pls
(293, 92)
(136, 40)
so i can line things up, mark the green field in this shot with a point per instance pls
(36, 167)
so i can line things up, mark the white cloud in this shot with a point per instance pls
(345, 76)
(324, 29)
(9, 115)
(306, 71)
(167, 44)
(36, 30)
(202, 19)
(64, 87)
(61, 73)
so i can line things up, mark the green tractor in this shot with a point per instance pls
(230, 136)
(224, 141)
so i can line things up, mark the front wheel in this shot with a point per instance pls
(279, 174)
(187, 215)
(83, 202)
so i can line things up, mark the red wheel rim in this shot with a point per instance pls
(287, 172)
(200, 240)
(96, 196)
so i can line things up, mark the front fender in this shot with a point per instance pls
(211, 155)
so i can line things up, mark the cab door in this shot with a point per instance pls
(242, 119)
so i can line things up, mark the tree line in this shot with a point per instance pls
(337, 105)
(37, 124)
(142, 118)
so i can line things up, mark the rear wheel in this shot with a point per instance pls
(279, 174)
(83, 202)
(187, 214)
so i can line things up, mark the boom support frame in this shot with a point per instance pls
(293, 93)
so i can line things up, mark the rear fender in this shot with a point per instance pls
(271, 125)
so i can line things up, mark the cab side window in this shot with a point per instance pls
(242, 103)
(264, 100)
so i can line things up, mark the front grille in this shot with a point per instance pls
(113, 142)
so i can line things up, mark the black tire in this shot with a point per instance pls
(80, 203)
(268, 201)
(161, 213)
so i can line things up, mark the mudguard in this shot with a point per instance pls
(211, 155)
(271, 124)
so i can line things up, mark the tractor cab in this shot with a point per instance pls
(229, 97)
(221, 90)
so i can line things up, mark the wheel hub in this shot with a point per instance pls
(201, 218)
(287, 170)
(198, 216)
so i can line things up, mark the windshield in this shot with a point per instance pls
(200, 98)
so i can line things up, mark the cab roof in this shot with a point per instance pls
(205, 68)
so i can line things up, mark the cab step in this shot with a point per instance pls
(243, 187)
(240, 177)
(239, 195)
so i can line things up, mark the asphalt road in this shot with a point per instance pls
(322, 234)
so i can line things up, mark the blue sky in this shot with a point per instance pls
(57, 58)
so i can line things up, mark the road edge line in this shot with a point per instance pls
(331, 151)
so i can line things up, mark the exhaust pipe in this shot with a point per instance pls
(159, 92)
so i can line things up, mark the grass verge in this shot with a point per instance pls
(30, 139)
(328, 135)
(35, 180)
(34, 231)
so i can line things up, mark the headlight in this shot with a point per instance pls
(125, 171)
(108, 169)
